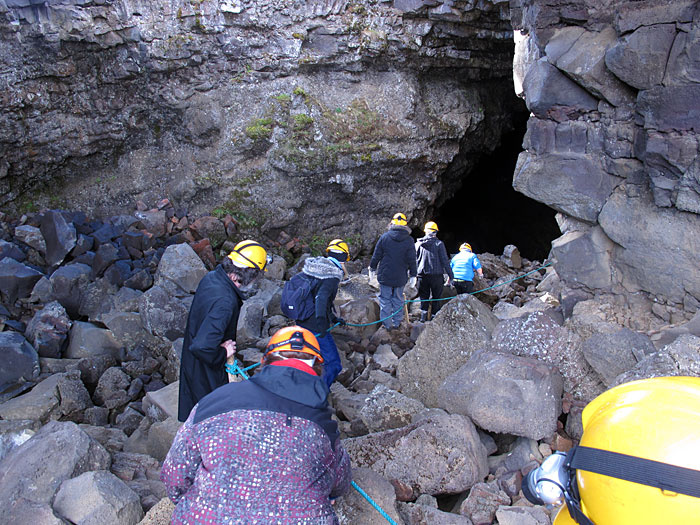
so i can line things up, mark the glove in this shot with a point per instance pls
(372, 275)
(412, 282)
(341, 321)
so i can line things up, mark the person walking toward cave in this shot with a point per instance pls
(210, 333)
(322, 275)
(464, 265)
(393, 261)
(433, 264)
(265, 450)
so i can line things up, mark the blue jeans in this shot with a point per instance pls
(331, 359)
(391, 302)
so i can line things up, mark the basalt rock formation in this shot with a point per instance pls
(320, 117)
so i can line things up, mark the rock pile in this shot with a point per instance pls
(441, 419)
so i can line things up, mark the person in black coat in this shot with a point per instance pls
(393, 260)
(433, 265)
(211, 325)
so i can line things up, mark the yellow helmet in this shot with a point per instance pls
(465, 246)
(249, 254)
(638, 459)
(295, 339)
(430, 227)
(340, 246)
(399, 219)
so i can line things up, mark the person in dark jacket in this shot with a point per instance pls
(393, 260)
(210, 333)
(328, 271)
(433, 264)
(265, 450)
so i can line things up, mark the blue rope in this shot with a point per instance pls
(372, 502)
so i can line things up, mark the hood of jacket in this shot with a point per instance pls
(293, 384)
(428, 240)
(399, 232)
(322, 268)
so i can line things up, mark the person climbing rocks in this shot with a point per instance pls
(393, 261)
(433, 265)
(265, 450)
(327, 273)
(464, 265)
(210, 333)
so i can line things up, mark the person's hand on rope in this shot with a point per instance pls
(341, 321)
(230, 347)
(372, 275)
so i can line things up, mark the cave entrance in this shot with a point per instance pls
(489, 214)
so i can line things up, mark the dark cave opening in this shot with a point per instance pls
(489, 214)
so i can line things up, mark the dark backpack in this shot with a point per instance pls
(298, 297)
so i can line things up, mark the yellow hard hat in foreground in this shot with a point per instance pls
(638, 461)
(338, 245)
(399, 219)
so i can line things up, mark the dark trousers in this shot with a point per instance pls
(430, 284)
(332, 365)
(464, 286)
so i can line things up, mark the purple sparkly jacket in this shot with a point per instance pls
(263, 451)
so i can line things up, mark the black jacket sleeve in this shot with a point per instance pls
(205, 345)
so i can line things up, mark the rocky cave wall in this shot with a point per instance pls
(320, 118)
(613, 87)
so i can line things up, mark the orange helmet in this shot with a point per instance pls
(294, 339)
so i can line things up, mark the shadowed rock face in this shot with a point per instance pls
(290, 114)
(612, 142)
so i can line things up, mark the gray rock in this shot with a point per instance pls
(161, 314)
(160, 437)
(636, 57)
(127, 329)
(19, 362)
(419, 514)
(452, 456)
(348, 404)
(31, 236)
(112, 439)
(547, 88)
(16, 280)
(129, 420)
(58, 395)
(181, 266)
(612, 354)
(482, 503)
(89, 340)
(111, 391)
(59, 234)
(161, 404)
(353, 508)
(14, 433)
(48, 330)
(584, 257)
(97, 497)
(385, 358)
(385, 409)
(506, 394)
(31, 474)
(129, 465)
(250, 321)
(91, 368)
(520, 515)
(511, 256)
(462, 326)
(575, 184)
(521, 452)
(670, 108)
(67, 286)
(12, 251)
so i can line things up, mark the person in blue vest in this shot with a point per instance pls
(393, 260)
(329, 272)
(464, 265)
(210, 334)
(433, 264)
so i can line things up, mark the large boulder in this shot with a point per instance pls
(89, 340)
(19, 361)
(505, 394)
(59, 234)
(354, 508)
(612, 354)
(162, 314)
(31, 474)
(461, 327)
(68, 284)
(384, 409)
(180, 266)
(97, 497)
(452, 456)
(48, 330)
(16, 280)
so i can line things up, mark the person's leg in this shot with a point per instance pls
(436, 286)
(397, 305)
(424, 293)
(468, 286)
(385, 310)
(331, 359)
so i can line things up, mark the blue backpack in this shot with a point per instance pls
(298, 297)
